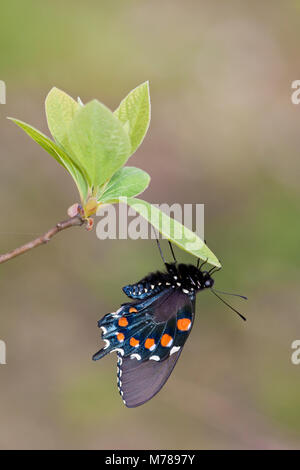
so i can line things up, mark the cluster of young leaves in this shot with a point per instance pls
(93, 144)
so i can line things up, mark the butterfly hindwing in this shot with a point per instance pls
(138, 382)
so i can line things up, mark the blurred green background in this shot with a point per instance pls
(225, 133)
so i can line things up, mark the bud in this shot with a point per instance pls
(73, 210)
(89, 224)
(91, 207)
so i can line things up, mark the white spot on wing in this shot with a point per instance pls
(117, 313)
(155, 358)
(120, 350)
(136, 356)
(104, 330)
(107, 343)
(120, 360)
(174, 350)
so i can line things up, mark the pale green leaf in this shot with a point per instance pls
(97, 142)
(173, 230)
(126, 182)
(56, 152)
(60, 111)
(134, 113)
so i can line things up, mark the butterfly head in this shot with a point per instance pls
(207, 281)
(193, 279)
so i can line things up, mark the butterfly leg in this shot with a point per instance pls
(172, 251)
(160, 250)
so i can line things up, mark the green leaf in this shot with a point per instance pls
(58, 153)
(134, 113)
(60, 111)
(126, 182)
(173, 230)
(97, 142)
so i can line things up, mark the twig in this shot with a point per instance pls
(72, 222)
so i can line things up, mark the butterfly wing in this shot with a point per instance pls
(138, 382)
(148, 337)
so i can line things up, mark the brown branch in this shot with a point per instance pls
(72, 222)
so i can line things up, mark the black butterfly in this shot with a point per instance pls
(149, 333)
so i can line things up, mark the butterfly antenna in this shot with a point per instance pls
(198, 262)
(228, 305)
(172, 251)
(214, 270)
(230, 293)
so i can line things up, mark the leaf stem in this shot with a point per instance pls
(43, 239)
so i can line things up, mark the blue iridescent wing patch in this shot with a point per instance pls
(148, 336)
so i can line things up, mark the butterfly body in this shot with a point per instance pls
(183, 277)
(149, 333)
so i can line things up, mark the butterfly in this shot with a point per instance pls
(148, 333)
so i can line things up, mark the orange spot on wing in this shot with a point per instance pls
(149, 343)
(165, 340)
(134, 342)
(123, 321)
(183, 324)
(120, 337)
(132, 310)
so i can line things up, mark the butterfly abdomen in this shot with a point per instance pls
(141, 290)
(149, 286)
